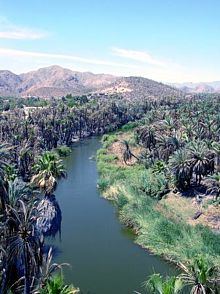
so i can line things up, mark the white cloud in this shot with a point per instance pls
(23, 61)
(162, 70)
(10, 31)
(21, 34)
(20, 53)
(137, 55)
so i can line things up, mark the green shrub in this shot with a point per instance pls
(121, 200)
(101, 151)
(107, 157)
(108, 140)
(102, 184)
(129, 126)
(63, 150)
(150, 183)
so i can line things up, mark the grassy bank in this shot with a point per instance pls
(161, 226)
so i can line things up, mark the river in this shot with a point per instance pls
(103, 257)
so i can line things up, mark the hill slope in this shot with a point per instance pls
(138, 87)
(57, 81)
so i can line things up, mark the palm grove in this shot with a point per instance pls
(157, 168)
(30, 165)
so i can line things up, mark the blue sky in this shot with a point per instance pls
(170, 41)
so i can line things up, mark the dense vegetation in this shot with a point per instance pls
(35, 136)
(34, 133)
(162, 173)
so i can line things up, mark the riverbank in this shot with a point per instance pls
(100, 250)
(159, 226)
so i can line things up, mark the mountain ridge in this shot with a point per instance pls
(57, 81)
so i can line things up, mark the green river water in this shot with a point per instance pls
(103, 257)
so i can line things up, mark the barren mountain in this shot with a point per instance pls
(57, 81)
(9, 83)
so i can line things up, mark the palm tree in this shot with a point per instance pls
(216, 149)
(23, 247)
(215, 185)
(146, 136)
(4, 155)
(24, 160)
(171, 285)
(127, 154)
(48, 169)
(200, 275)
(181, 168)
(200, 159)
(167, 146)
(19, 190)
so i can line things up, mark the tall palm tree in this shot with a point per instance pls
(200, 159)
(127, 154)
(48, 169)
(23, 247)
(216, 149)
(4, 155)
(24, 160)
(215, 185)
(146, 136)
(181, 168)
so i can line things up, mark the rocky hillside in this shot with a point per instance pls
(57, 81)
(9, 83)
(51, 81)
(138, 87)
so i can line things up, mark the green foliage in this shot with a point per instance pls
(56, 285)
(200, 275)
(150, 183)
(72, 101)
(101, 151)
(47, 170)
(122, 200)
(102, 184)
(63, 150)
(158, 167)
(107, 157)
(172, 239)
(10, 173)
(137, 201)
(107, 140)
(171, 285)
(11, 103)
(129, 126)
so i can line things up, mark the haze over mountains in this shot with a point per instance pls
(204, 87)
(57, 81)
